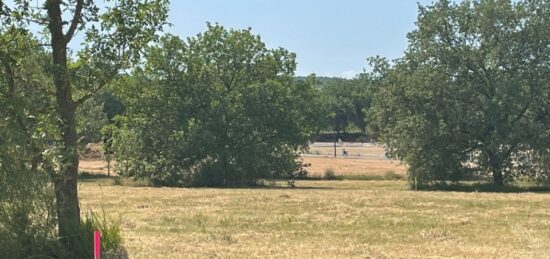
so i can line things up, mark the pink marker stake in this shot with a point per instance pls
(97, 245)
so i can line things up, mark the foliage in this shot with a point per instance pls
(329, 174)
(220, 109)
(345, 137)
(471, 95)
(112, 105)
(108, 135)
(27, 212)
(114, 36)
(346, 102)
(320, 81)
(90, 120)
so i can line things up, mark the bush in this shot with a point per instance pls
(27, 214)
(209, 174)
(391, 175)
(329, 174)
(117, 180)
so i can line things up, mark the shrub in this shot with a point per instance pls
(28, 218)
(391, 175)
(329, 174)
(27, 214)
(117, 180)
(209, 174)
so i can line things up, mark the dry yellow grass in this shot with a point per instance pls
(96, 166)
(324, 219)
(352, 166)
(361, 161)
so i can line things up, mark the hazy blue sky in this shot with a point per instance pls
(330, 37)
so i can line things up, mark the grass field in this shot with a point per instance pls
(323, 219)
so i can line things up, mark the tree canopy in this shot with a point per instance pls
(220, 109)
(471, 94)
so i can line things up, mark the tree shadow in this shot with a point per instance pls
(486, 188)
(84, 175)
(88, 177)
(289, 188)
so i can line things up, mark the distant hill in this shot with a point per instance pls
(322, 81)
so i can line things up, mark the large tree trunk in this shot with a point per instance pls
(496, 168)
(498, 178)
(65, 180)
(68, 210)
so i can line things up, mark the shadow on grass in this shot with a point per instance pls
(87, 176)
(272, 184)
(486, 187)
(354, 178)
(279, 184)
(267, 187)
(320, 178)
(114, 180)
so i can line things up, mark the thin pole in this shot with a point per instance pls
(97, 245)
(335, 139)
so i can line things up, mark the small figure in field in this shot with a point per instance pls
(344, 152)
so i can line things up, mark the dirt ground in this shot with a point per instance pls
(361, 161)
(96, 166)
(352, 166)
(365, 160)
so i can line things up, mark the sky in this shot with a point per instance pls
(329, 37)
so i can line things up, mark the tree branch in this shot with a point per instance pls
(97, 89)
(10, 78)
(75, 21)
(521, 113)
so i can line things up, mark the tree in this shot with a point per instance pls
(361, 99)
(347, 99)
(220, 109)
(107, 133)
(471, 93)
(27, 211)
(90, 120)
(112, 105)
(338, 95)
(113, 39)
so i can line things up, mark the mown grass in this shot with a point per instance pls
(484, 186)
(331, 174)
(326, 219)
